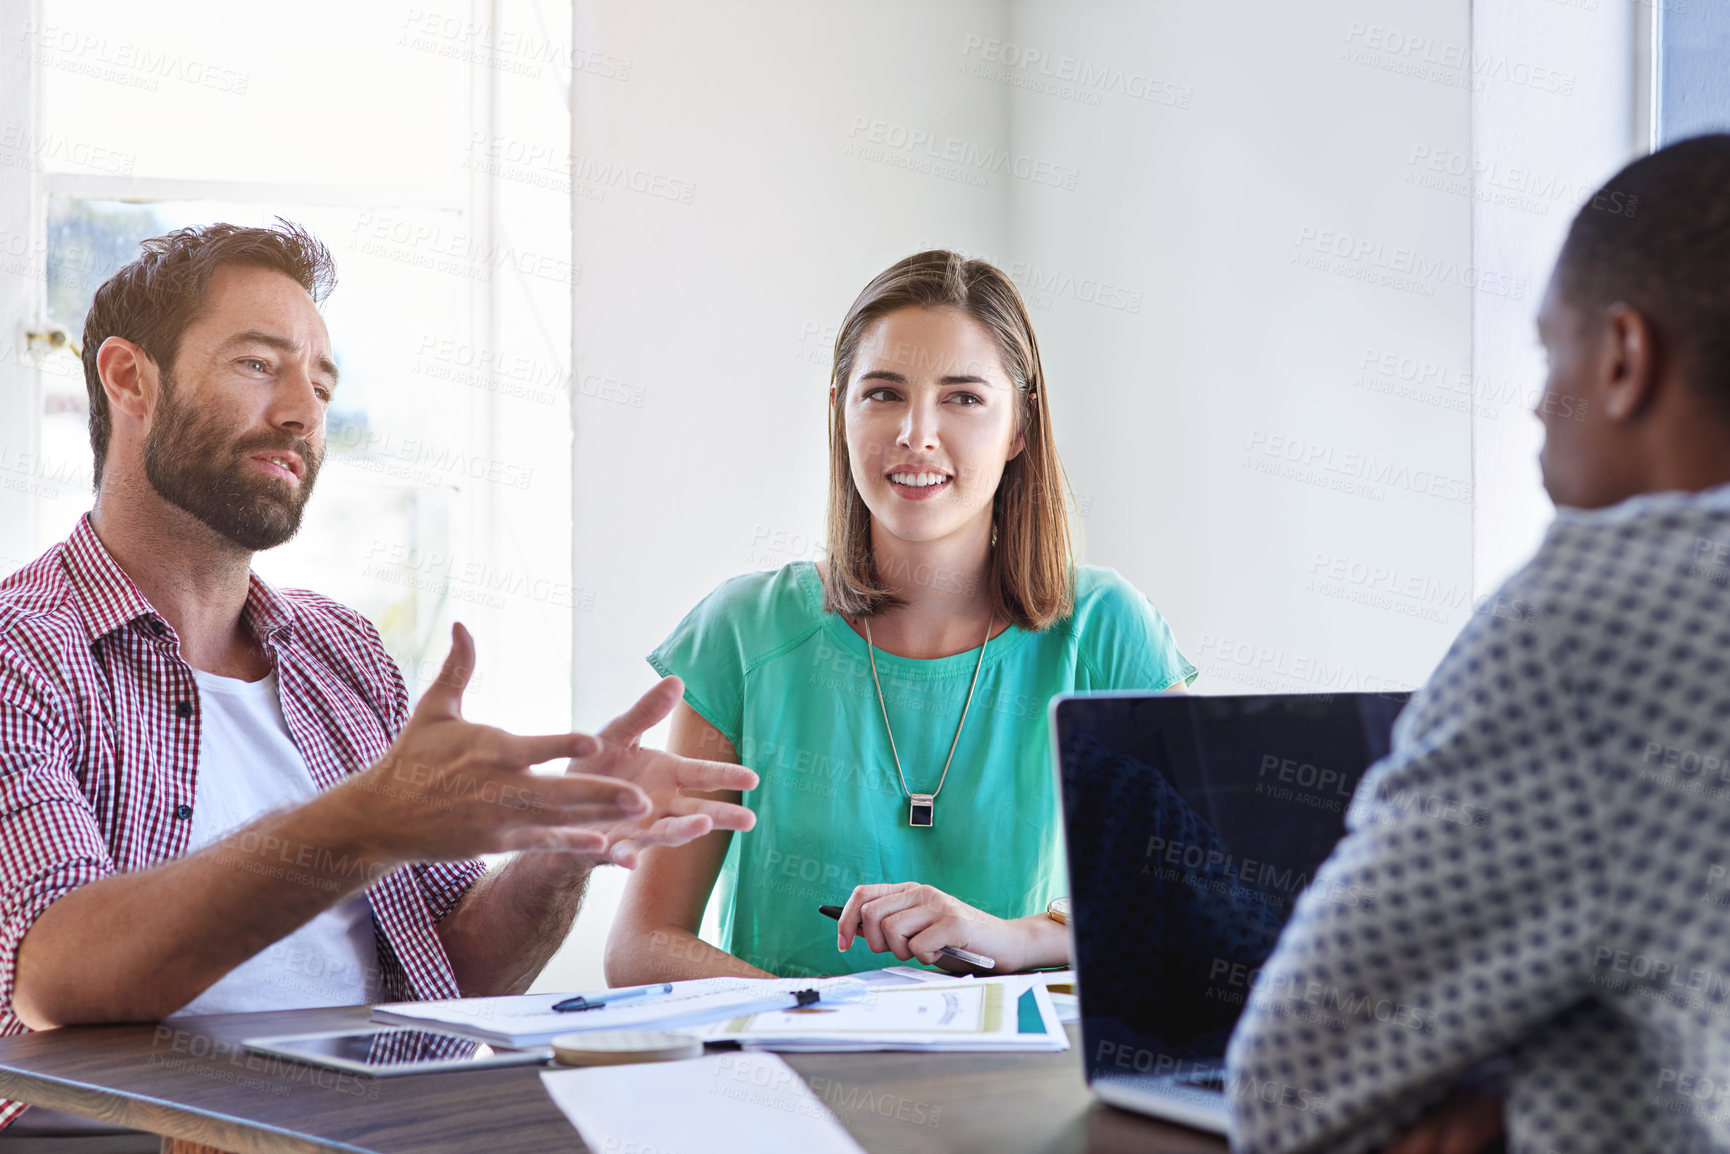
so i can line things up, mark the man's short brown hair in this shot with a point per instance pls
(153, 300)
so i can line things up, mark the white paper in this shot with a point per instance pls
(1068, 1007)
(946, 1009)
(904, 976)
(979, 1014)
(529, 1019)
(743, 1103)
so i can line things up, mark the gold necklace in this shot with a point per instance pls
(922, 807)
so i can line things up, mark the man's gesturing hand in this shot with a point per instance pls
(675, 816)
(1468, 1122)
(450, 789)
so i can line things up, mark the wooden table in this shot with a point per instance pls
(193, 1083)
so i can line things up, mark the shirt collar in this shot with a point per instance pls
(105, 595)
(107, 598)
(267, 610)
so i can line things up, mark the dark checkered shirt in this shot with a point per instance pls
(99, 739)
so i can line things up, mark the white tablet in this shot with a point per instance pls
(388, 1051)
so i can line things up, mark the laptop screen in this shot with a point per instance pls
(1193, 824)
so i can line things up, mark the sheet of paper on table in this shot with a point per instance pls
(902, 976)
(529, 1019)
(739, 1103)
(1061, 984)
(1009, 1014)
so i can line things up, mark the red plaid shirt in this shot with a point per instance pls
(99, 728)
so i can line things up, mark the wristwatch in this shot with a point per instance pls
(1058, 911)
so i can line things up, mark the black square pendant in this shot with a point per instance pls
(919, 810)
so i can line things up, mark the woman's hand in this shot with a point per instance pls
(911, 921)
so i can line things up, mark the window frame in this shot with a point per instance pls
(25, 192)
(1689, 96)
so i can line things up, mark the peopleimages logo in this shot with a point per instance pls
(880, 139)
(20, 148)
(1297, 459)
(122, 62)
(1069, 77)
(1397, 266)
(1446, 62)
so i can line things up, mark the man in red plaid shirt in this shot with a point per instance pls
(196, 769)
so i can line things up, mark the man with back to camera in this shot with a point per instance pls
(213, 796)
(1549, 841)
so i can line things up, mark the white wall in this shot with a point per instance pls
(1541, 149)
(1234, 444)
(1228, 257)
(719, 313)
(709, 298)
(23, 264)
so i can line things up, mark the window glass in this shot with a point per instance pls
(258, 92)
(398, 453)
(1693, 82)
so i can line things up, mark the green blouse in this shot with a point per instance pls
(790, 686)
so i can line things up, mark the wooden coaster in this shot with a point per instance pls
(624, 1047)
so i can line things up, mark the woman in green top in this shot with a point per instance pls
(905, 766)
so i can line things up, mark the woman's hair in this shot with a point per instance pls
(1030, 578)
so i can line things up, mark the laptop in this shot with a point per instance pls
(1192, 825)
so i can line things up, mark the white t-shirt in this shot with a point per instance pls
(248, 765)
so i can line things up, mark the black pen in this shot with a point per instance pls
(955, 952)
(583, 1002)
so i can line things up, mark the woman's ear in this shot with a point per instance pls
(1025, 416)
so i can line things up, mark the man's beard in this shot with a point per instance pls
(190, 462)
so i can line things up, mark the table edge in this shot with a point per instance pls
(22, 1087)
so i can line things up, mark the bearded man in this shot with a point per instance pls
(213, 794)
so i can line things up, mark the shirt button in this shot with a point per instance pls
(183, 811)
(157, 627)
(183, 709)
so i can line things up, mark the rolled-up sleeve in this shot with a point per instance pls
(445, 883)
(50, 843)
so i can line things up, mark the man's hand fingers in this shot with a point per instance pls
(444, 697)
(714, 776)
(1467, 1123)
(724, 814)
(544, 815)
(556, 797)
(550, 747)
(1420, 1139)
(675, 830)
(650, 708)
(1473, 1128)
(562, 839)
